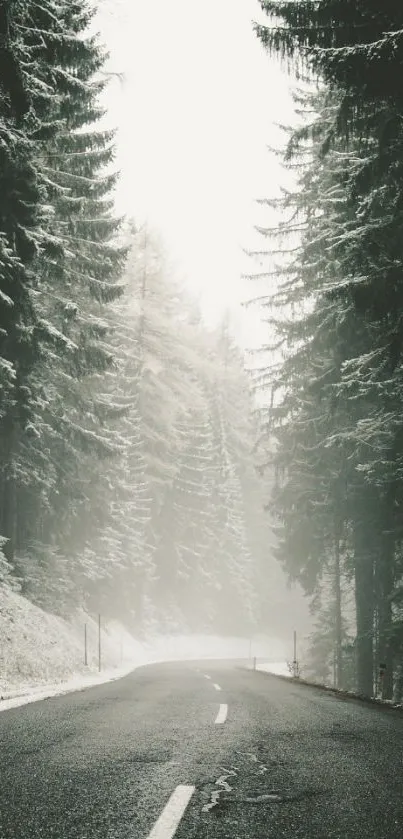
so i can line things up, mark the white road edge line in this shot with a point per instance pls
(222, 714)
(217, 687)
(165, 827)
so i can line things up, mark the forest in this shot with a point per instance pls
(127, 428)
(333, 298)
(144, 473)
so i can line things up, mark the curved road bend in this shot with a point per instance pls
(167, 752)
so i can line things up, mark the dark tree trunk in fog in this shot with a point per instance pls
(9, 488)
(398, 686)
(384, 594)
(9, 516)
(338, 608)
(364, 602)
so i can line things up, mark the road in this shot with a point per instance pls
(168, 752)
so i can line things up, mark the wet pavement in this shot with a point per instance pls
(255, 757)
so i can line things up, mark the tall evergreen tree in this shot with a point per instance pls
(59, 246)
(356, 50)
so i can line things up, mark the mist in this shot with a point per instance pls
(135, 469)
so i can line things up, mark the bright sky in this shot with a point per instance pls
(195, 114)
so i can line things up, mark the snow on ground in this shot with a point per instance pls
(279, 668)
(33, 693)
(42, 655)
(181, 647)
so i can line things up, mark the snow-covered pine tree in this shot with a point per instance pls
(21, 215)
(76, 268)
(164, 351)
(228, 392)
(156, 347)
(316, 492)
(357, 50)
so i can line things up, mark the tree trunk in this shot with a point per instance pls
(384, 593)
(398, 688)
(364, 602)
(338, 615)
(9, 517)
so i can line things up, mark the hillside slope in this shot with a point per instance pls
(38, 649)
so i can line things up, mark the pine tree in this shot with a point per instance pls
(21, 217)
(356, 50)
(60, 248)
(316, 481)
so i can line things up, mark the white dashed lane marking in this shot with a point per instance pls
(165, 827)
(223, 710)
(222, 714)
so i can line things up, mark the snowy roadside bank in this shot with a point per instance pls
(34, 693)
(277, 668)
(42, 655)
(279, 671)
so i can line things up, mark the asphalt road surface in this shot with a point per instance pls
(167, 752)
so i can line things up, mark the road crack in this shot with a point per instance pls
(223, 786)
(279, 797)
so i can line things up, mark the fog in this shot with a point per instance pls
(132, 447)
